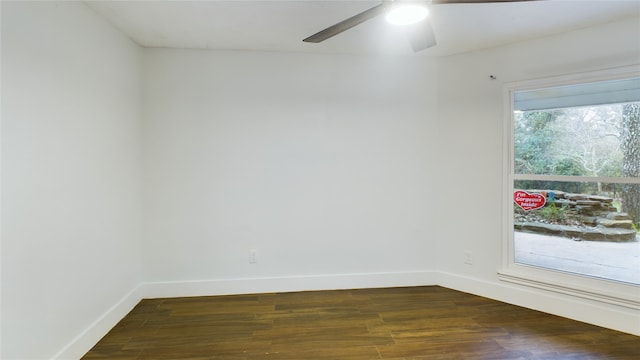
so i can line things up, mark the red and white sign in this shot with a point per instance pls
(529, 201)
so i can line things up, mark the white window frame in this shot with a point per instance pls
(583, 286)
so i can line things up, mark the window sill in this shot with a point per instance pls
(603, 291)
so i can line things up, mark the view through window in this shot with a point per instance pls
(576, 179)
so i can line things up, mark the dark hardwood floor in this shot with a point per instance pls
(396, 323)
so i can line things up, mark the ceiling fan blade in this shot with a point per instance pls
(348, 23)
(440, 2)
(421, 35)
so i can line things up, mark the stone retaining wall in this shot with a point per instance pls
(599, 219)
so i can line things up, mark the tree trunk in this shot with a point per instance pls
(630, 141)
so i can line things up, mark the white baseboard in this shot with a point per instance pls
(101, 326)
(605, 315)
(287, 284)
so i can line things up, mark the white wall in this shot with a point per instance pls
(470, 122)
(70, 178)
(340, 171)
(320, 163)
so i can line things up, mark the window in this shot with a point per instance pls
(572, 190)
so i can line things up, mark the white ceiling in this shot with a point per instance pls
(273, 25)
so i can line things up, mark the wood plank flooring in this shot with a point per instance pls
(396, 323)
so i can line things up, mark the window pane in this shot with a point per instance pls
(580, 227)
(597, 141)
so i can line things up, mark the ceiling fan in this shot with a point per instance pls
(420, 32)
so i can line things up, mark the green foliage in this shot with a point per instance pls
(617, 204)
(567, 166)
(572, 187)
(533, 137)
(580, 141)
(552, 213)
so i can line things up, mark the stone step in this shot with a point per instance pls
(578, 233)
(618, 216)
(620, 224)
(603, 199)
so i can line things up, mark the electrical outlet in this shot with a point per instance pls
(253, 256)
(468, 259)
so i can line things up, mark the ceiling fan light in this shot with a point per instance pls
(407, 14)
